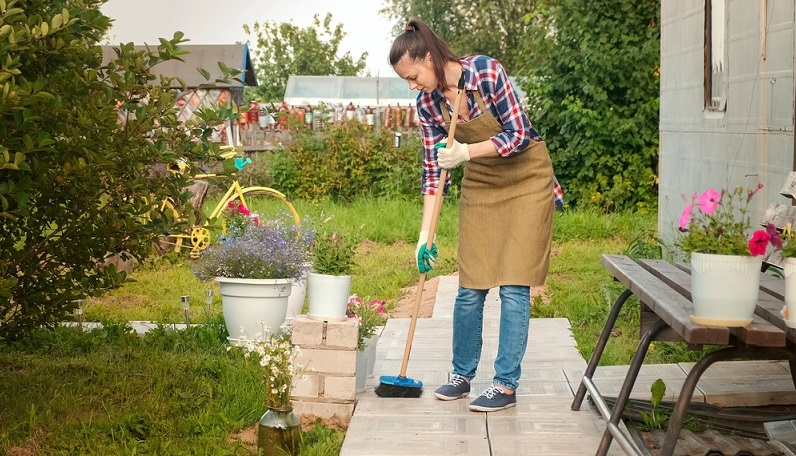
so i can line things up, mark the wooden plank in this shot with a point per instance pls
(648, 318)
(789, 188)
(762, 331)
(667, 303)
(779, 215)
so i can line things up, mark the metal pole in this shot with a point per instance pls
(186, 304)
(79, 312)
(209, 300)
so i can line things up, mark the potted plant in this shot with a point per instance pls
(788, 253)
(372, 317)
(329, 278)
(279, 429)
(255, 264)
(725, 260)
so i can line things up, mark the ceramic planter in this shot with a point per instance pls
(724, 288)
(295, 302)
(328, 296)
(789, 270)
(370, 350)
(362, 370)
(250, 303)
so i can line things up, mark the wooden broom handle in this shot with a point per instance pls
(433, 228)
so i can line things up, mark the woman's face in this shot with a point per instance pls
(418, 73)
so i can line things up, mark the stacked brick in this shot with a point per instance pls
(327, 386)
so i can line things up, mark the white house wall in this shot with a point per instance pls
(752, 141)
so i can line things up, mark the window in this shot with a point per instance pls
(715, 57)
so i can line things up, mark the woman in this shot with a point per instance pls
(506, 206)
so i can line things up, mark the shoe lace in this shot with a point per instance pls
(491, 392)
(456, 380)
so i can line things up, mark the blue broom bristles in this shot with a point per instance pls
(397, 386)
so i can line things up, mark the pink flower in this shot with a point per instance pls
(774, 236)
(242, 209)
(709, 201)
(758, 243)
(685, 218)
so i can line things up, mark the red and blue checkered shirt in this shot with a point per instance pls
(487, 76)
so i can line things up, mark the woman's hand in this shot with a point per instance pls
(450, 157)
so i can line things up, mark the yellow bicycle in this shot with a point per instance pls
(198, 237)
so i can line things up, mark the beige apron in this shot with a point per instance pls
(505, 210)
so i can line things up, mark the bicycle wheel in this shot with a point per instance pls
(267, 203)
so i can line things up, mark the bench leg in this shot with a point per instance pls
(600, 347)
(612, 426)
(684, 400)
(792, 365)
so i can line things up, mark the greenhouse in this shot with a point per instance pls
(362, 91)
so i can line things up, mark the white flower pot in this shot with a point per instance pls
(328, 296)
(295, 302)
(362, 370)
(370, 351)
(789, 270)
(724, 288)
(248, 304)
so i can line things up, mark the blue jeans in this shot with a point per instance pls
(468, 322)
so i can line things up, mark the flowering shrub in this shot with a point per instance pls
(333, 254)
(279, 360)
(370, 315)
(709, 224)
(258, 250)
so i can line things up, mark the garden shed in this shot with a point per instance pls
(727, 101)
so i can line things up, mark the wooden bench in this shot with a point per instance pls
(664, 290)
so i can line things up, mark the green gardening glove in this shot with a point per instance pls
(425, 257)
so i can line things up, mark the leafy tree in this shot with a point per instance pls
(488, 27)
(283, 49)
(74, 179)
(595, 96)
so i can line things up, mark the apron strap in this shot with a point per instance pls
(478, 99)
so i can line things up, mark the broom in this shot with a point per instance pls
(401, 385)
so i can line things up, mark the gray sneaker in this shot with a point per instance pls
(492, 400)
(457, 388)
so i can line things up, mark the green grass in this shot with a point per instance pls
(106, 392)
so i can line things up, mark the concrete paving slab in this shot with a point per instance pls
(439, 425)
(551, 445)
(611, 386)
(369, 405)
(740, 369)
(427, 444)
(781, 430)
(557, 424)
(750, 391)
(646, 371)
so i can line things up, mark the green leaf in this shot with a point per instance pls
(57, 21)
(658, 390)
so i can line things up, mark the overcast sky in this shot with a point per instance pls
(221, 22)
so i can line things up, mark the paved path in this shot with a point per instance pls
(541, 423)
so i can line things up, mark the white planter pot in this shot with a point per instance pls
(724, 288)
(370, 351)
(328, 296)
(250, 303)
(789, 270)
(295, 302)
(362, 370)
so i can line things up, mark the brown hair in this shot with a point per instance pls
(416, 41)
